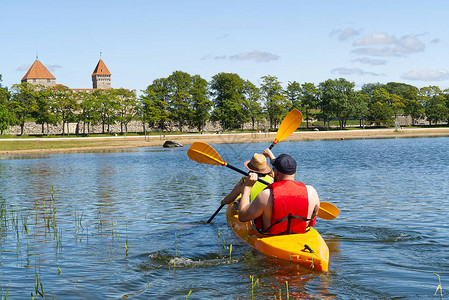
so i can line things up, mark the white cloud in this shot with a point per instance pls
(353, 71)
(22, 68)
(382, 44)
(375, 38)
(426, 75)
(435, 41)
(53, 67)
(344, 34)
(376, 51)
(258, 56)
(370, 61)
(410, 44)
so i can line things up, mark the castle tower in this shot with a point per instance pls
(101, 77)
(38, 74)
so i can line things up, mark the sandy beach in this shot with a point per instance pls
(93, 144)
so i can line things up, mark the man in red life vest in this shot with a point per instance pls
(284, 207)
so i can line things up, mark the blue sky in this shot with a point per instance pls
(303, 41)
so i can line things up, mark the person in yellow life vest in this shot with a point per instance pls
(257, 165)
(284, 207)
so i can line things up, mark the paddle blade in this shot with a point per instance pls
(328, 211)
(205, 154)
(290, 123)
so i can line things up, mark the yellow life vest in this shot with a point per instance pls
(259, 186)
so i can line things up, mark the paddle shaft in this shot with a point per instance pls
(215, 213)
(245, 173)
(242, 172)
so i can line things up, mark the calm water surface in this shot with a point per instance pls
(131, 224)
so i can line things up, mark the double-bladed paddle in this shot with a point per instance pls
(205, 154)
(288, 125)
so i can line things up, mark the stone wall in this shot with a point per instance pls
(32, 128)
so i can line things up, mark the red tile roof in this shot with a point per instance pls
(38, 71)
(101, 69)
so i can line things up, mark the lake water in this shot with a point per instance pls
(131, 224)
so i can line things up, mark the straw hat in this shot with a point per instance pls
(258, 164)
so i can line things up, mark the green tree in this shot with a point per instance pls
(309, 99)
(23, 102)
(413, 106)
(294, 95)
(251, 104)
(337, 98)
(397, 104)
(155, 109)
(66, 105)
(90, 110)
(107, 102)
(435, 106)
(201, 105)
(436, 109)
(6, 118)
(369, 88)
(361, 106)
(228, 94)
(4, 93)
(127, 105)
(179, 86)
(45, 113)
(380, 109)
(276, 105)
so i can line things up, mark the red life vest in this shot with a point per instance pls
(289, 197)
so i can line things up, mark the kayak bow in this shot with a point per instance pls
(308, 249)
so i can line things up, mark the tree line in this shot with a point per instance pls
(183, 99)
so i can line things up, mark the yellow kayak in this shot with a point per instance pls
(308, 249)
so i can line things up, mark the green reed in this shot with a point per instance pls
(126, 240)
(38, 292)
(280, 292)
(439, 287)
(253, 284)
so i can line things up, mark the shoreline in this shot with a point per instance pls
(101, 144)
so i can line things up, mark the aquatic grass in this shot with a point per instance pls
(188, 294)
(126, 240)
(230, 252)
(38, 292)
(253, 284)
(6, 294)
(439, 287)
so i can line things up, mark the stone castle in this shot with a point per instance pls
(39, 74)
